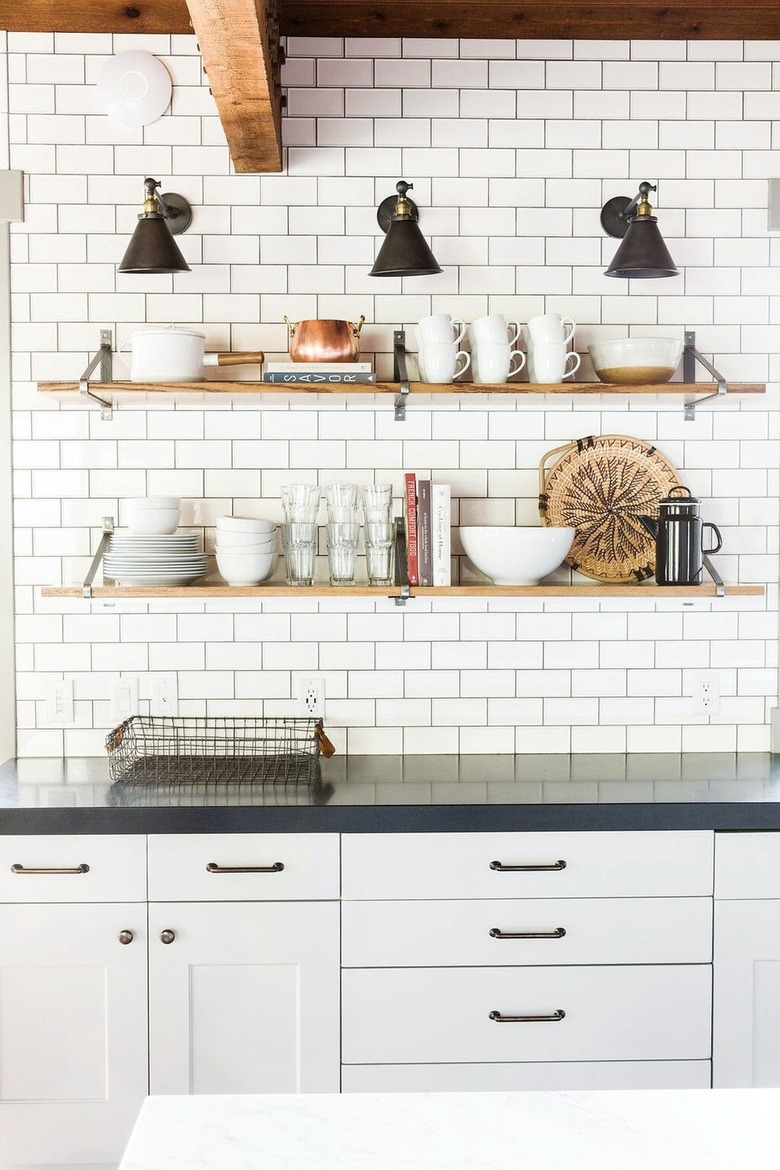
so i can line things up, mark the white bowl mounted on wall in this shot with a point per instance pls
(134, 88)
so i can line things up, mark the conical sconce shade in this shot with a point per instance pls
(404, 252)
(642, 253)
(152, 248)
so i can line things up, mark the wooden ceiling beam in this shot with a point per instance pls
(523, 19)
(239, 43)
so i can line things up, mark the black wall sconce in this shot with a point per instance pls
(643, 252)
(404, 252)
(152, 247)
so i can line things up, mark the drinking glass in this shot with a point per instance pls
(342, 538)
(377, 500)
(380, 551)
(341, 495)
(301, 502)
(299, 541)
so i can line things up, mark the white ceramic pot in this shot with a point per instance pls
(171, 354)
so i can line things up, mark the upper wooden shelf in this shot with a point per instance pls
(225, 387)
(204, 592)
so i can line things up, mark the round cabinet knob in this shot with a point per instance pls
(125, 937)
(167, 936)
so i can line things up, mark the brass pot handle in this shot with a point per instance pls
(558, 1014)
(290, 326)
(357, 326)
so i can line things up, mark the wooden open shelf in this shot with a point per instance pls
(204, 592)
(224, 387)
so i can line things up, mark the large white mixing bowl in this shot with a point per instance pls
(516, 556)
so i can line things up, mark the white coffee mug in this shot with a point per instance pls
(552, 363)
(551, 328)
(492, 363)
(441, 329)
(441, 362)
(493, 329)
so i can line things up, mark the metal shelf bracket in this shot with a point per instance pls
(97, 560)
(103, 359)
(400, 373)
(691, 356)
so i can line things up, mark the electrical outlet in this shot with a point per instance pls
(165, 695)
(59, 701)
(311, 696)
(706, 692)
(124, 699)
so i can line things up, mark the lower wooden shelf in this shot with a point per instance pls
(204, 592)
(243, 388)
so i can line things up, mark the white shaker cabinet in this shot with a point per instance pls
(73, 1051)
(746, 1020)
(244, 986)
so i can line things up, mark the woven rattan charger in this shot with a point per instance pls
(601, 486)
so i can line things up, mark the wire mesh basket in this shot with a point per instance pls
(173, 750)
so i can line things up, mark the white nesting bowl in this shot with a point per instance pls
(153, 521)
(245, 569)
(237, 540)
(249, 550)
(636, 361)
(244, 524)
(516, 556)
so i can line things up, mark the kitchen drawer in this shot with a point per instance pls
(747, 865)
(433, 1015)
(180, 867)
(503, 1078)
(458, 865)
(459, 933)
(109, 868)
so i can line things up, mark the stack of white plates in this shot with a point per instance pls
(155, 560)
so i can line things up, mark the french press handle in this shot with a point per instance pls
(718, 537)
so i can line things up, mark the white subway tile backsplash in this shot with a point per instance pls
(512, 147)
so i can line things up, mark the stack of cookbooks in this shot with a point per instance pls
(316, 373)
(427, 508)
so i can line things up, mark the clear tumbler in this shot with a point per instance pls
(342, 551)
(380, 552)
(299, 541)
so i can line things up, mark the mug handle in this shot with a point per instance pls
(457, 340)
(513, 339)
(568, 336)
(462, 354)
(577, 362)
(516, 353)
(718, 537)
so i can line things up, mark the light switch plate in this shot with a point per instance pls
(11, 196)
(124, 699)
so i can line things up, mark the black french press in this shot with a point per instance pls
(678, 532)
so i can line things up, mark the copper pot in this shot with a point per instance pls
(324, 341)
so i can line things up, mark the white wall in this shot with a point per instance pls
(512, 148)
(7, 635)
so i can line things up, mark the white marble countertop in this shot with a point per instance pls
(725, 1129)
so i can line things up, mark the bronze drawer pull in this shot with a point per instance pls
(499, 865)
(83, 868)
(557, 1015)
(559, 932)
(212, 867)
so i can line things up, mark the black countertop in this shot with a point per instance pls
(738, 792)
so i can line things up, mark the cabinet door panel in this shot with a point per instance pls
(747, 865)
(245, 999)
(463, 933)
(746, 1004)
(73, 1054)
(459, 865)
(431, 1015)
(501, 1078)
